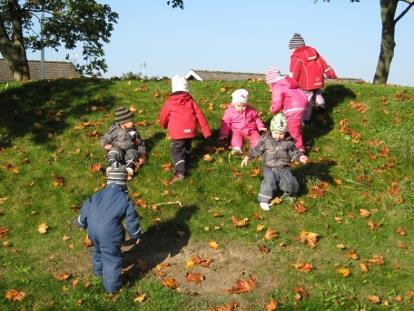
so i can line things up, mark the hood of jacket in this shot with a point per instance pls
(306, 53)
(179, 98)
(287, 82)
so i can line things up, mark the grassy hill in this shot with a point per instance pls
(356, 195)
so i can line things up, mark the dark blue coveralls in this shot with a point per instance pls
(102, 215)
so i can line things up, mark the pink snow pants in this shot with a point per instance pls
(237, 138)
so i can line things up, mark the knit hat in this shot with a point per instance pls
(122, 114)
(117, 176)
(279, 123)
(296, 42)
(272, 75)
(179, 84)
(239, 96)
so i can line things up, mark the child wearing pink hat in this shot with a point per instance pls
(287, 97)
(242, 121)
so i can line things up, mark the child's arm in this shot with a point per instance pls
(276, 104)
(164, 115)
(106, 141)
(225, 127)
(296, 154)
(142, 150)
(205, 128)
(327, 70)
(132, 221)
(254, 152)
(295, 68)
(82, 220)
(259, 123)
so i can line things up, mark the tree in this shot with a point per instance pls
(389, 21)
(66, 23)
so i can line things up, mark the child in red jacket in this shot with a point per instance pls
(309, 68)
(181, 116)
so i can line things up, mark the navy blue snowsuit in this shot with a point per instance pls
(102, 215)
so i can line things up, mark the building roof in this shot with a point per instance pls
(202, 75)
(53, 70)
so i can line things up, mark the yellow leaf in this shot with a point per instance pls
(208, 158)
(239, 223)
(213, 245)
(276, 201)
(14, 295)
(374, 299)
(62, 276)
(190, 264)
(171, 283)
(140, 298)
(344, 271)
(271, 234)
(341, 246)
(260, 227)
(66, 237)
(363, 267)
(43, 228)
(364, 213)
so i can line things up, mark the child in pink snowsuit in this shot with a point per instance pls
(242, 121)
(287, 97)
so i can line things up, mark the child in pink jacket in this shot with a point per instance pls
(242, 121)
(287, 97)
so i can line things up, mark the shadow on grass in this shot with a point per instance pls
(159, 242)
(152, 141)
(322, 123)
(42, 108)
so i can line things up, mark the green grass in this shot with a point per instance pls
(39, 141)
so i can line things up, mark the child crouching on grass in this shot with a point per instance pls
(277, 150)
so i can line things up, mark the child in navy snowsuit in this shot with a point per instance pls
(102, 215)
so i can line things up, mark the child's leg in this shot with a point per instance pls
(253, 138)
(131, 156)
(288, 182)
(96, 257)
(112, 265)
(311, 102)
(267, 186)
(319, 100)
(295, 130)
(237, 140)
(178, 153)
(115, 155)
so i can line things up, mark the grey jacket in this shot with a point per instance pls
(119, 137)
(275, 153)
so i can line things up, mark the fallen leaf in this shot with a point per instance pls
(271, 305)
(300, 207)
(3, 199)
(75, 282)
(309, 238)
(303, 267)
(338, 219)
(363, 267)
(376, 260)
(341, 246)
(87, 242)
(62, 276)
(96, 167)
(171, 283)
(373, 225)
(194, 277)
(208, 158)
(264, 249)
(400, 231)
(58, 181)
(271, 234)
(402, 245)
(240, 223)
(227, 307)
(167, 167)
(364, 213)
(276, 201)
(213, 245)
(260, 227)
(300, 293)
(374, 299)
(140, 298)
(14, 295)
(257, 216)
(398, 298)
(66, 237)
(43, 228)
(3, 232)
(243, 286)
(203, 262)
(255, 172)
(162, 266)
(319, 190)
(394, 189)
(190, 264)
(344, 271)
(338, 182)
(352, 254)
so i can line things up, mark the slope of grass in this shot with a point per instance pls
(362, 158)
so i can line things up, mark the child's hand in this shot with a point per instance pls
(137, 241)
(108, 147)
(262, 130)
(303, 159)
(244, 161)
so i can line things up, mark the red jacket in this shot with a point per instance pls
(308, 68)
(181, 115)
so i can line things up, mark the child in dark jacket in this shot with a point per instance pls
(102, 215)
(181, 116)
(277, 151)
(123, 142)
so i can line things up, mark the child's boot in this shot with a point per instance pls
(264, 206)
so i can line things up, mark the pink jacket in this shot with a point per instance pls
(240, 122)
(287, 97)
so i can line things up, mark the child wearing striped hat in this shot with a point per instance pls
(123, 142)
(309, 68)
(287, 97)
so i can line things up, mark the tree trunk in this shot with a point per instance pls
(388, 9)
(12, 46)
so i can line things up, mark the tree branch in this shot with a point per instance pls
(411, 3)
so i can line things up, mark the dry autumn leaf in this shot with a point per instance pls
(319, 190)
(364, 213)
(264, 249)
(341, 246)
(352, 254)
(14, 295)
(197, 278)
(363, 267)
(96, 167)
(3, 232)
(255, 172)
(203, 262)
(239, 223)
(171, 283)
(271, 305)
(213, 245)
(400, 231)
(43, 227)
(376, 260)
(374, 226)
(63, 276)
(271, 234)
(140, 298)
(207, 158)
(227, 307)
(300, 293)
(58, 181)
(345, 272)
(260, 227)
(167, 167)
(87, 242)
(300, 207)
(66, 237)
(276, 201)
(374, 299)
(243, 286)
(394, 189)
(309, 238)
(303, 267)
(257, 216)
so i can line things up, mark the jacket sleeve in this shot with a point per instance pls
(295, 68)
(205, 128)
(259, 122)
(164, 115)
(259, 149)
(82, 220)
(107, 138)
(142, 150)
(225, 127)
(294, 153)
(276, 104)
(132, 221)
(327, 70)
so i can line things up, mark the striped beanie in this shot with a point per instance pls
(117, 176)
(122, 114)
(272, 75)
(296, 41)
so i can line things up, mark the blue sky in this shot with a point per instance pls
(250, 36)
